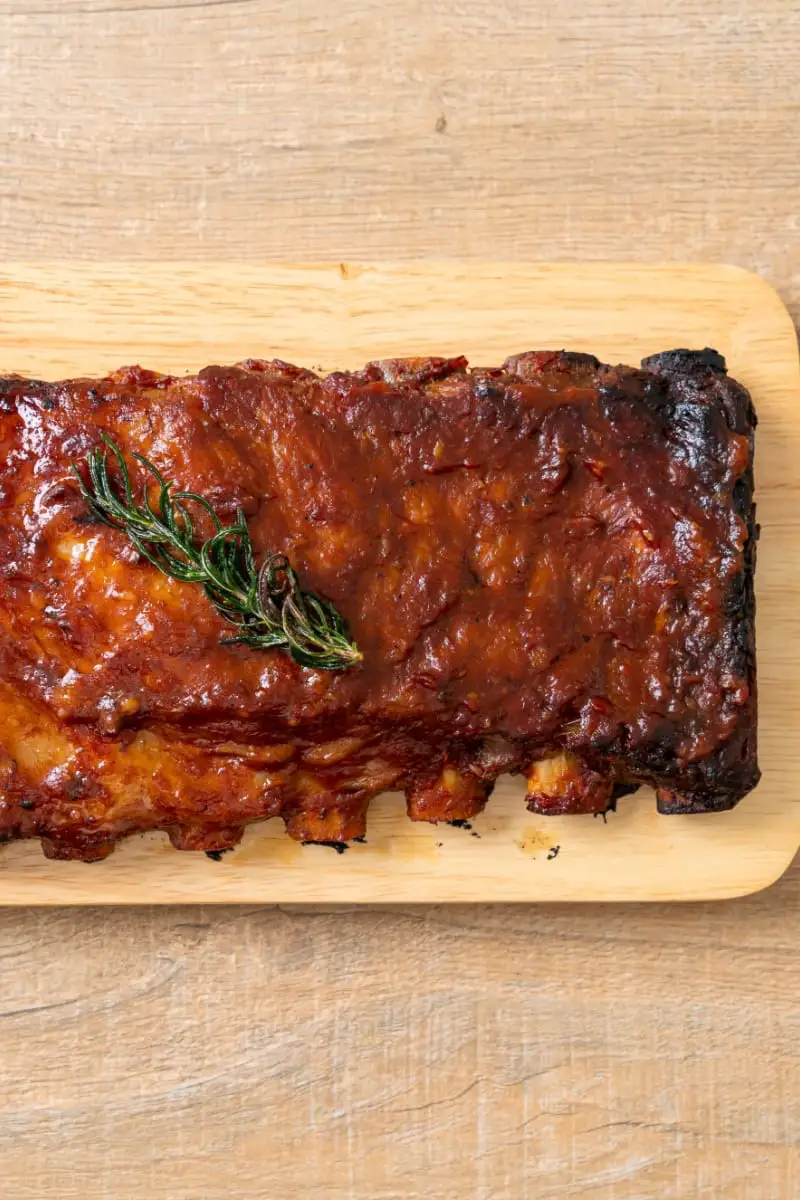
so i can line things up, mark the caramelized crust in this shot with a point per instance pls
(548, 567)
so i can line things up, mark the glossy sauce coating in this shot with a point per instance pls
(548, 568)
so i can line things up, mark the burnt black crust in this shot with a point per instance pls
(699, 382)
(685, 362)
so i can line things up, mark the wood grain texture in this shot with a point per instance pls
(435, 1052)
(57, 321)
(371, 128)
(504, 1053)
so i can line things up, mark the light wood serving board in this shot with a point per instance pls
(59, 319)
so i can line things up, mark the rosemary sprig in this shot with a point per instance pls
(265, 604)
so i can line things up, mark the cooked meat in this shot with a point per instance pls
(548, 567)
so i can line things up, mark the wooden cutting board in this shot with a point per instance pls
(58, 320)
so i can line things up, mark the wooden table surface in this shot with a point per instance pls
(644, 1053)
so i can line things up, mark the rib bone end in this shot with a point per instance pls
(455, 796)
(563, 783)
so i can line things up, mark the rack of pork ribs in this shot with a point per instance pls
(547, 566)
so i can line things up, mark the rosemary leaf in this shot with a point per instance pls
(266, 605)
